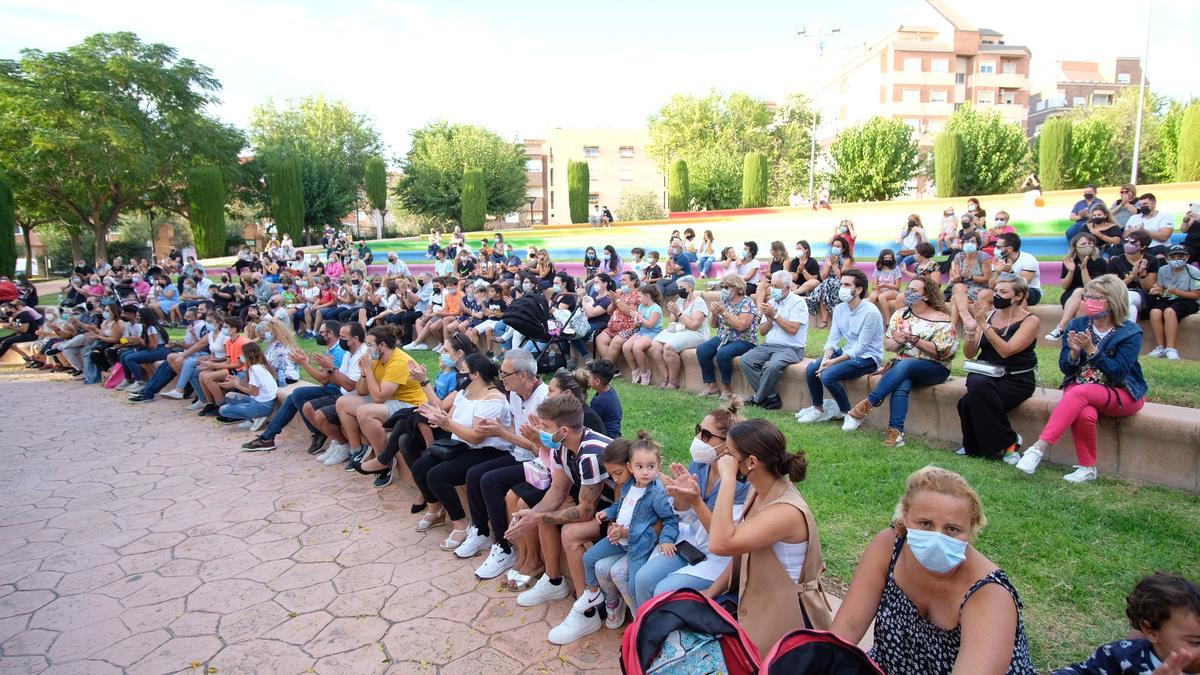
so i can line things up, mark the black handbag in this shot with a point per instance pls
(447, 449)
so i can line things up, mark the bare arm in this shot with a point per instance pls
(583, 511)
(989, 620)
(866, 589)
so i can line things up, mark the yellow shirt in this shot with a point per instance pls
(396, 370)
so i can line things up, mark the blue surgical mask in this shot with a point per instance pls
(726, 295)
(446, 361)
(547, 439)
(624, 288)
(267, 336)
(776, 294)
(935, 551)
(970, 247)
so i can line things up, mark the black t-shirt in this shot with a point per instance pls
(1095, 268)
(465, 268)
(590, 266)
(496, 308)
(85, 269)
(653, 271)
(810, 265)
(1120, 266)
(567, 300)
(775, 266)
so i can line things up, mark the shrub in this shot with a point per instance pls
(754, 180)
(640, 205)
(1188, 162)
(947, 163)
(206, 205)
(1054, 154)
(287, 197)
(474, 200)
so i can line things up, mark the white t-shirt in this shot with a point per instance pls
(628, 504)
(520, 410)
(398, 268)
(267, 386)
(1027, 263)
(216, 344)
(695, 304)
(466, 410)
(746, 268)
(1159, 221)
(351, 365)
(790, 308)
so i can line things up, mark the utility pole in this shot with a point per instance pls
(819, 34)
(1137, 134)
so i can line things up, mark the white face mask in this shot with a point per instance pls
(845, 294)
(703, 453)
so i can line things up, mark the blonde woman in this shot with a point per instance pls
(278, 343)
(938, 605)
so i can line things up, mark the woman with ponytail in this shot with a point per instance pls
(778, 563)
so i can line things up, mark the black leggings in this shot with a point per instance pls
(983, 411)
(15, 338)
(489, 512)
(104, 357)
(436, 478)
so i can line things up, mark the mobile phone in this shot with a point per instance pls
(690, 554)
(1194, 207)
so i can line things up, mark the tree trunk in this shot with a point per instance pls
(101, 233)
(25, 230)
(378, 224)
(76, 245)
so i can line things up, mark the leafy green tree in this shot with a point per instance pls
(376, 188)
(677, 190)
(1158, 157)
(474, 200)
(995, 152)
(579, 186)
(640, 205)
(8, 225)
(792, 129)
(1093, 154)
(873, 161)
(947, 164)
(715, 179)
(433, 170)
(287, 196)
(1188, 166)
(1054, 154)
(206, 204)
(110, 125)
(754, 180)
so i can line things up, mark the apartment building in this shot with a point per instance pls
(617, 161)
(922, 72)
(1082, 83)
(537, 173)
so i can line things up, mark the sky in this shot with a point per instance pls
(521, 67)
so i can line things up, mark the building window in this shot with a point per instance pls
(960, 78)
(987, 67)
(594, 198)
(938, 96)
(591, 151)
(1008, 97)
(1010, 67)
(939, 66)
(911, 95)
(534, 192)
(1078, 100)
(533, 165)
(986, 97)
(627, 151)
(1101, 99)
(626, 174)
(937, 126)
(912, 65)
(915, 125)
(551, 176)
(1122, 78)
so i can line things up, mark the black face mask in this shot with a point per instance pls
(1145, 210)
(1000, 302)
(320, 340)
(344, 344)
(1099, 219)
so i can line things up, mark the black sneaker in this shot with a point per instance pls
(209, 410)
(318, 442)
(773, 403)
(384, 479)
(228, 420)
(259, 444)
(141, 398)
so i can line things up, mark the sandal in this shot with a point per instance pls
(710, 391)
(451, 542)
(523, 582)
(431, 520)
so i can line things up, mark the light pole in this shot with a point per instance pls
(819, 35)
(1137, 134)
(531, 200)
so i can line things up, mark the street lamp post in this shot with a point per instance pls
(1137, 134)
(531, 200)
(819, 35)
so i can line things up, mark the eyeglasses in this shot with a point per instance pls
(505, 375)
(706, 435)
(1095, 297)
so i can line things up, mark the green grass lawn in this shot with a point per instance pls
(1072, 551)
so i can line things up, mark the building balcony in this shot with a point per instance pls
(927, 79)
(1010, 112)
(1001, 80)
(926, 109)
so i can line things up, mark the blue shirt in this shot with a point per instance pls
(608, 406)
(337, 353)
(1132, 657)
(1084, 204)
(861, 328)
(684, 262)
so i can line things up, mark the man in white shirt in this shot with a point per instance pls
(396, 268)
(322, 412)
(1010, 259)
(1159, 225)
(785, 325)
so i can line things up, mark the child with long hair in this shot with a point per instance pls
(254, 398)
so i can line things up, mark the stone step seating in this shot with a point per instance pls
(1189, 331)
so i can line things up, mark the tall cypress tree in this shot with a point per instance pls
(1187, 165)
(474, 200)
(287, 197)
(678, 196)
(206, 206)
(375, 177)
(947, 163)
(8, 226)
(1054, 154)
(754, 181)
(579, 185)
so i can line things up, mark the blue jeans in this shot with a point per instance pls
(907, 260)
(705, 263)
(132, 360)
(831, 379)
(900, 379)
(242, 407)
(294, 403)
(656, 569)
(164, 374)
(724, 355)
(91, 372)
(1075, 229)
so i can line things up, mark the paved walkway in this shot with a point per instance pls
(140, 539)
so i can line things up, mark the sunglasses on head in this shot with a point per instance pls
(706, 435)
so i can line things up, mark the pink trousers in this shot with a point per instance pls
(1080, 408)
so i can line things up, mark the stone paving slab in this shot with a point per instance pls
(140, 539)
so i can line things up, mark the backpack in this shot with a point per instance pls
(684, 632)
(817, 651)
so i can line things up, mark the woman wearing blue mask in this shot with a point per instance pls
(969, 275)
(736, 318)
(936, 602)
(825, 296)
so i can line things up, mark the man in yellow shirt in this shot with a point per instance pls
(384, 388)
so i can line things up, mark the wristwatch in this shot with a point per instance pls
(424, 383)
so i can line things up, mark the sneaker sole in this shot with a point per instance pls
(547, 599)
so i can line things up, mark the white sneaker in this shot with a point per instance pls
(543, 591)
(831, 412)
(123, 386)
(197, 405)
(577, 625)
(1054, 335)
(245, 424)
(437, 348)
(336, 454)
(616, 615)
(1081, 474)
(258, 423)
(497, 563)
(421, 346)
(410, 346)
(1172, 354)
(960, 451)
(135, 388)
(588, 600)
(473, 544)
(173, 393)
(851, 424)
(1030, 460)
(1157, 353)
(1012, 458)
(808, 415)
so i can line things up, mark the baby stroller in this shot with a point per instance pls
(684, 632)
(550, 336)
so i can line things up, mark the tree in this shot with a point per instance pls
(873, 161)
(578, 189)
(947, 164)
(474, 200)
(330, 144)
(995, 153)
(677, 190)
(206, 204)
(8, 225)
(715, 179)
(433, 170)
(1157, 159)
(754, 180)
(376, 187)
(109, 125)
(1188, 165)
(640, 205)
(287, 196)
(792, 129)
(1094, 157)
(1054, 154)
